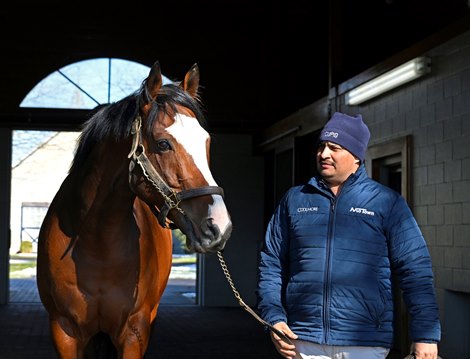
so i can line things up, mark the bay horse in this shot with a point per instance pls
(105, 246)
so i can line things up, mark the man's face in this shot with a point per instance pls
(334, 163)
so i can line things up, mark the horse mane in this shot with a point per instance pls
(114, 120)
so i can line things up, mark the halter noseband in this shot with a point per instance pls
(170, 196)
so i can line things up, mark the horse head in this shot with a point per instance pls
(169, 167)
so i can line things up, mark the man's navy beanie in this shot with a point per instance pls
(349, 132)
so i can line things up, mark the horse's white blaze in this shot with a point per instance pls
(190, 134)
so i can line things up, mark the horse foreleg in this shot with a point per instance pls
(133, 342)
(66, 346)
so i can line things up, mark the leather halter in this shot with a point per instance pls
(171, 198)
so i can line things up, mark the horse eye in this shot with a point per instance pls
(163, 145)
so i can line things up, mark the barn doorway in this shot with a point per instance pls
(390, 164)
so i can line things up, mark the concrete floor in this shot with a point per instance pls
(182, 330)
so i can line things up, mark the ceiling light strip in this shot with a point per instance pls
(400, 75)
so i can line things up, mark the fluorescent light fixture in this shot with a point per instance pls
(398, 76)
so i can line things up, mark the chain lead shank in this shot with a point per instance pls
(244, 305)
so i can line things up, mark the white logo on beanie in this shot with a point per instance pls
(331, 134)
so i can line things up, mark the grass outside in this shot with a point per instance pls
(184, 259)
(21, 264)
(15, 267)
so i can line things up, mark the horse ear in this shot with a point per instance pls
(154, 81)
(191, 81)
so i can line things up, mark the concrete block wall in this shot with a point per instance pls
(435, 110)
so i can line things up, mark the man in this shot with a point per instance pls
(325, 274)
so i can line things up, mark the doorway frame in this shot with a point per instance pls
(391, 153)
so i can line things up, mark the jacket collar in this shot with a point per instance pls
(358, 176)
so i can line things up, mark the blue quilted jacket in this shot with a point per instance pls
(327, 262)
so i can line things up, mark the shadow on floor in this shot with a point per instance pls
(183, 331)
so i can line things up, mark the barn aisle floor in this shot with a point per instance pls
(182, 330)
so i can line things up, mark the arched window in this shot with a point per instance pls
(87, 84)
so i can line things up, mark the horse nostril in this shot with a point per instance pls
(212, 228)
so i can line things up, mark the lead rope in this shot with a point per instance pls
(244, 305)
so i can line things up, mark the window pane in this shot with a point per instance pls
(86, 84)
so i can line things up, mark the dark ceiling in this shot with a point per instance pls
(259, 63)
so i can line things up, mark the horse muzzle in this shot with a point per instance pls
(211, 238)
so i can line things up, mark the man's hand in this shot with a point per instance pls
(424, 350)
(285, 349)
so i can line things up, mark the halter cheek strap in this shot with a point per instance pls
(136, 135)
(171, 198)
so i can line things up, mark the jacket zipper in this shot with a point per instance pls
(327, 286)
(327, 277)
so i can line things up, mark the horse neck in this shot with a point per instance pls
(103, 182)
